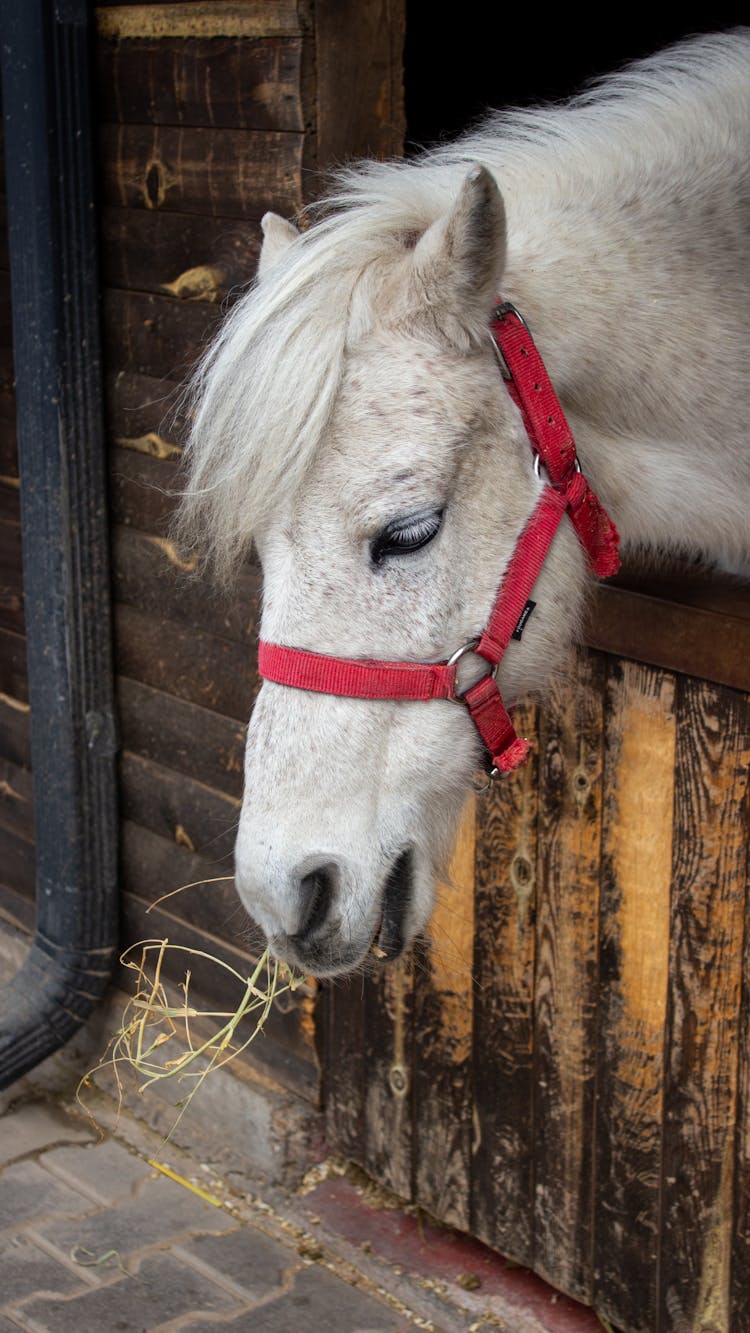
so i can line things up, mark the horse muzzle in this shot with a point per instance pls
(319, 923)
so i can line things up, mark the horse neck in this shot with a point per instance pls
(653, 394)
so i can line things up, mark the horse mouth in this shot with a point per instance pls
(390, 937)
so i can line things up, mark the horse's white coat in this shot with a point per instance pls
(355, 384)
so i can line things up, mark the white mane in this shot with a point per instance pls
(265, 390)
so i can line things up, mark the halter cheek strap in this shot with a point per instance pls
(566, 492)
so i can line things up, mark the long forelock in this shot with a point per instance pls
(264, 393)
(261, 398)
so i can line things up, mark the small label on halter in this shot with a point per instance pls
(522, 619)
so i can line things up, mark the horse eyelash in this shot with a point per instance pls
(403, 536)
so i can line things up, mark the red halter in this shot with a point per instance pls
(566, 491)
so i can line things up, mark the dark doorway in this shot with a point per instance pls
(462, 60)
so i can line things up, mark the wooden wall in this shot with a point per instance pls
(209, 115)
(564, 1068)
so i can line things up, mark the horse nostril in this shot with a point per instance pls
(316, 891)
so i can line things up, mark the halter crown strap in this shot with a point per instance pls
(567, 491)
(531, 389)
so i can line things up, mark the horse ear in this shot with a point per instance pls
(277, 235)
(459, 260)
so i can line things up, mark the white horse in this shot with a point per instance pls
(351, 421)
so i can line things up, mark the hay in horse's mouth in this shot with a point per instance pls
(389, 939)
(157, 1038)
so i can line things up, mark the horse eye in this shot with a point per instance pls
(404, 535)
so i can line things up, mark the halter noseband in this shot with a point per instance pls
(565, 491)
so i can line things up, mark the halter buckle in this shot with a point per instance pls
(500, 311)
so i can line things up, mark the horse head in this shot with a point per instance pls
(352, 421)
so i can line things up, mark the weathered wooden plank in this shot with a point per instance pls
(13, 675)
(344, 1066)
(566, 987)
(709, 872)
(7, 373)
(182, 661)
(7, 400)
(10, 517)
(634, 934)
(8, 445)
(505, 904)
(147, 574)
(143, 491)
(183, 255)
(710, 644)
(10, 512)
(285, 1049)
(388, 1057)
(221, 18)
(16, 800)
(740, 1255)
(143, 414)
(18, 865)
(258, 84)
(11, 564)
(203, 893)
(155, 336)
(179, 735)
(359, 73)
(6, 325)
(223, 173)
(15, 730)
(17, 909)
(12, 605)
(194, 816)
(443, 1015)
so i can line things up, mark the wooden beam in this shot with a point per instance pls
(710, 644)
(223, 173)
(640, 739)
(505, 906)
(188, 256)
(218, 18)
(215, 82)
(709, 874)
(360, 80)
(566, 984)
(443, 1026)
(182, 736)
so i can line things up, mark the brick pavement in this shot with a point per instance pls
(96, 1238)
(93, 1237)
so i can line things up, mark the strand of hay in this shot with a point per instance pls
(157, 1040)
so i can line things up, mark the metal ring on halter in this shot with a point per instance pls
(490, 776)
(538, 465)
(503, 364)
(469, 647)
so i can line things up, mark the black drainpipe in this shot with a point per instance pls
(46, 79)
